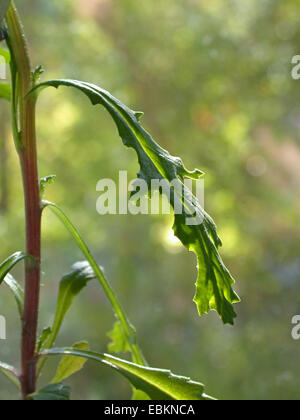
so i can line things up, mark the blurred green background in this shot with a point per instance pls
(214, 80)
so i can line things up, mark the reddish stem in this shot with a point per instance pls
(26, 146)
(28, 159)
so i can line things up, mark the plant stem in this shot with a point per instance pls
(26, 147)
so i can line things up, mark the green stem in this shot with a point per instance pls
(128, 329)
(25, 140)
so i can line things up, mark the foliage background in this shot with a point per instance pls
(213, 79)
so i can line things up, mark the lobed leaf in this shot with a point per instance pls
(158, 384)
(214, 284)
(119, 343)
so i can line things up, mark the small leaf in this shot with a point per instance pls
(159, 384)
(44, 182)
(43, 339)
(36, 74)
(119, 343)
(69, 365)
(54, 392)
(11, 374)
(70, 286)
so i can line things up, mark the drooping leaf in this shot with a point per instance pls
(5, 91)
(53, 392)
(119, 343)
(17, 291)
(128, 329)
(4, 5)
(159, 384)
(11, 374)
(214, 284)
(69, 365)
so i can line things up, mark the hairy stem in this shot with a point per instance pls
(26, 147)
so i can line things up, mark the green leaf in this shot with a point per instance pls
(69, 365)
(5, 91)
(70, 286)
(4, 5)
(5, 54)
(54, 392)
(43, 339)
(48, 180)
(5, 277)
(128, 329)
(10, 373)
(139, 395)
(159, 384)
(214, 284)
(36, 74)
(119, 343)
(17, 291)
(7, 265)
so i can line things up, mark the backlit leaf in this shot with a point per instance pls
(5, 91)
(119, 343)
(159, 384)
(69, 365)
(70, 286)
(214, 283)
